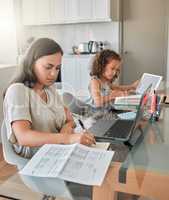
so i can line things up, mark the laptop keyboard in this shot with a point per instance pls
(120, 129)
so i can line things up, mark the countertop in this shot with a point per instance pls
(2, 66)
(78, 55)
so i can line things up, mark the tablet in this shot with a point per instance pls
(146, 80)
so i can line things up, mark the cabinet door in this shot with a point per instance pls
(85, 9)
(71, 10)
(43, 11)
(29, 12)
(36, 12)
(84, 70)
(70, 75)
(101, 9)
(58, 11)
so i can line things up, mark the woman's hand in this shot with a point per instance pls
(85, 138)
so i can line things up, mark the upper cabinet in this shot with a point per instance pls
(67, 11)
(36, 12)
(57, 11)
(102, 10)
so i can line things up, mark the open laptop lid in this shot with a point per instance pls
(139, 114)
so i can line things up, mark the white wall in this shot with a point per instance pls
(73, 34)
(8, 44)
(6, 74)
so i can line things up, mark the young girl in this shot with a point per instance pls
(105, 70)
(33, 111)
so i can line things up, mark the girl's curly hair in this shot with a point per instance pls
(100, 61)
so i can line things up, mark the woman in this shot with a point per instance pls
(105, 70)
(33, 110)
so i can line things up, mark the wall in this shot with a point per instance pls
(6, 73)
(168, 46)
(8, 47)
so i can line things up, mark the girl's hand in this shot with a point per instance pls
(85, 138)
(119, 93)
(134, 85)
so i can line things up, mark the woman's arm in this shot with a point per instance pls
(32, 138)
(70, 124)
(100, 100)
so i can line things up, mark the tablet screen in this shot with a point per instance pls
(146, 80)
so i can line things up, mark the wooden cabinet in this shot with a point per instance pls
(41, 12)
(75, 75)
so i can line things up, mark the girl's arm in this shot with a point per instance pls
(100, 100)
(132, 86)
(32, 138)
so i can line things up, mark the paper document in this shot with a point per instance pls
(101, 145)
(127, 115)
(76, 163)
(128, 100)
(146, 80)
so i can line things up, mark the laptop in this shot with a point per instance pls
(114, 128)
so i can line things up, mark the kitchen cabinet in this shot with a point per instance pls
(85, 10)
(41, 12)
(71, 10)
(75, 75)
(57, 11)
(36, 12)
(29, 12)
(101, 10)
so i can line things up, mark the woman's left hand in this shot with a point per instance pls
(67, 129)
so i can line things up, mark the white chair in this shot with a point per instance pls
(75, 105)
(52, 187)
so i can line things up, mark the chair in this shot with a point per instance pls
(52, 187)
(75, 105)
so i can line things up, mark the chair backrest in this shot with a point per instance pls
(75, 105)
(9, 155)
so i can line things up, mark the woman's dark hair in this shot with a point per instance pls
(41, 47)
(100, 61)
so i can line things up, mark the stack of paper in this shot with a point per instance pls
(128, 100)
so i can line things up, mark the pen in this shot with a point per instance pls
(81, 124)
(83, 127)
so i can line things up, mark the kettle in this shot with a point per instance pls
(93, 46)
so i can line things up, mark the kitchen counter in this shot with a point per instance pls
(79, 55)
(2, 66)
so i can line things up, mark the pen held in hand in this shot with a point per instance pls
(83, 127)
(81, 124)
